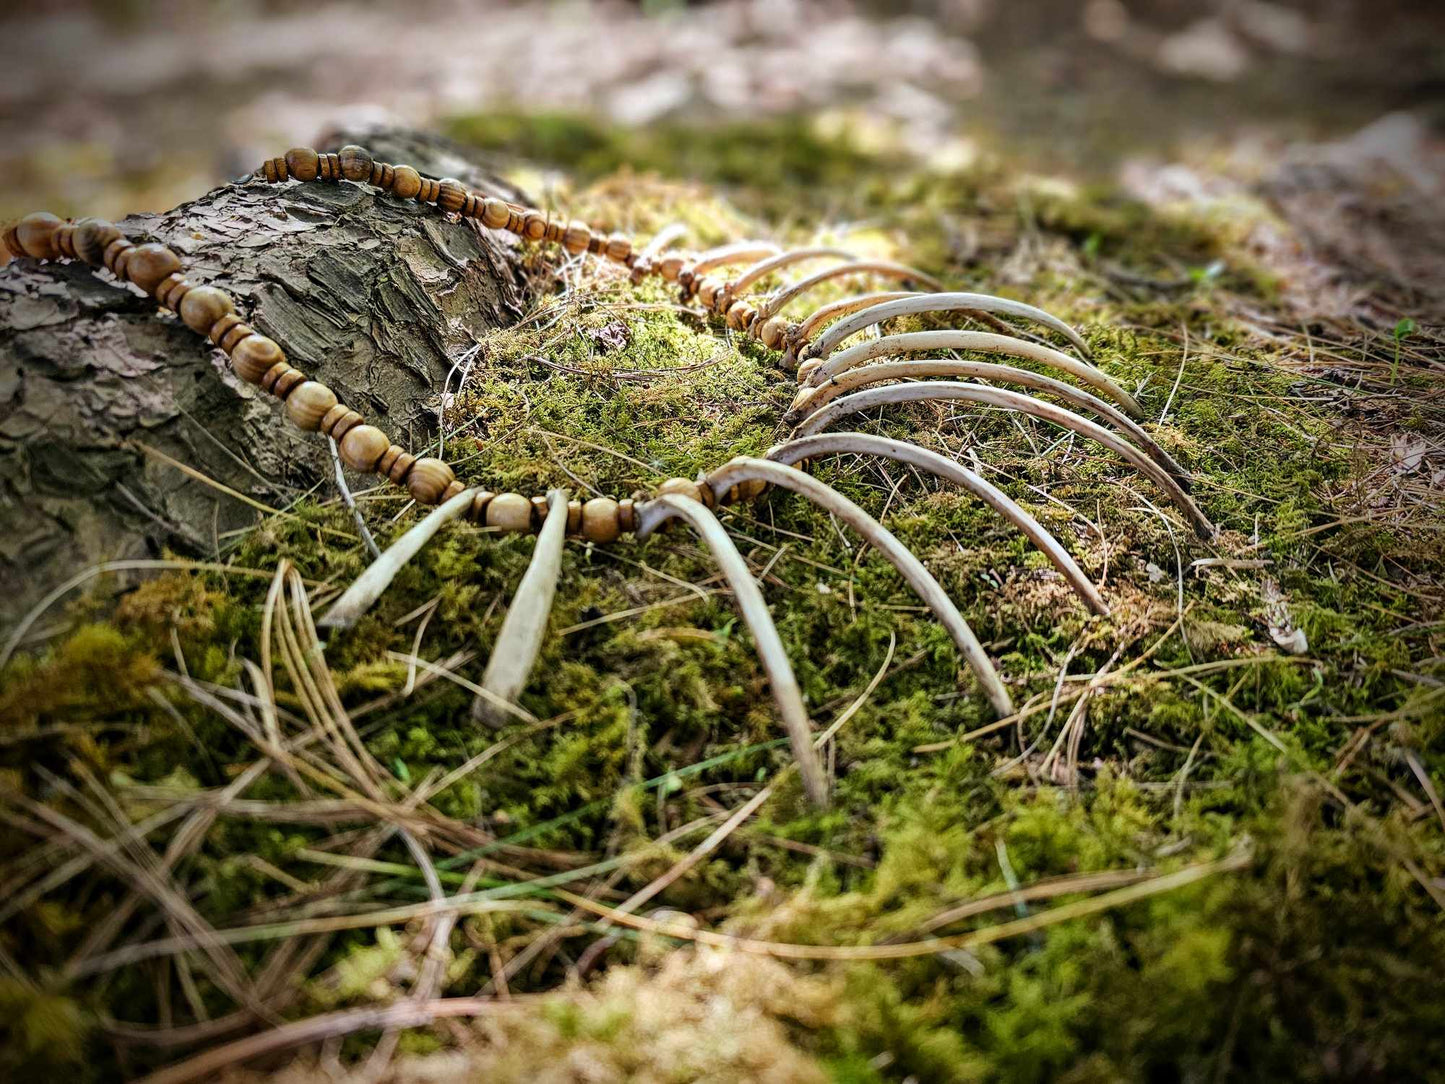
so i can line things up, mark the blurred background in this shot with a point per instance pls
(121, 105)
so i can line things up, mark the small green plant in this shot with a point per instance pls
(1403, 330)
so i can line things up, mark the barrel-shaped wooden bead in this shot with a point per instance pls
(534, 226)
(338, 421)
(618, 248)
(203, 306)
(363, 446)
(451, 196)
(627, 514)
(428, 480)
(772, 332)
(599, 520)
(576, 237)
(303, 163)
(254, 356)
(355, 162)
(683, 486)
(36, 234)
(670, 267)
(406, 182)
(509, 512)
(309, 403)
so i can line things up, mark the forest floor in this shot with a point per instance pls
(1209, 844)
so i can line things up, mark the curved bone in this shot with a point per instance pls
(950, 302)
(740, 252)
(836, 310)
(522, 630)
(786, 693)
(746, 469)
(882, 268)
(983, 341)
(368, 587)
(662, 240)
(810, 399)
(902, 452)
(1011, 400)
(763, 268)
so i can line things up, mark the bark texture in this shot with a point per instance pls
(375, 296)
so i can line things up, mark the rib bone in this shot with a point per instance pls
(883, 268)
(786, 693)
(763, 268)
(799, 334)
(1010, 400)
(900, 451)
(982, 341)
(741, 252)
(746, 469)
(368, 587)
(810, 399)
(524, 626)
(951, 302)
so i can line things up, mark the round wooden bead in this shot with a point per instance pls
(253, 357)
(599, 520)
(456, 489)
(576, 238)
(477, 510)
(406, 182)
(682, 486)
(355, 162)
(309, 403)
(36, 234)
(115, 255)
(203, 306)
(363, 446)
(772, 332)
(150, 265)
(495, 214)
(670, 267)
(451, 196)
(303, 163)
(509, 512)
(534, 226)
(428, 480)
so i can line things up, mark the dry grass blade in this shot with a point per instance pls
(1094, 905)
(524, 626)
(744, 469)
(786, 693)
(1008, 400)
(900, 451)
(368, 587)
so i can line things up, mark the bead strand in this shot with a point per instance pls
(309, 403)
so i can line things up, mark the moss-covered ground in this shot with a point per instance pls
(1172, 733)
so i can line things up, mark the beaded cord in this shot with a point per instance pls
(311, 405)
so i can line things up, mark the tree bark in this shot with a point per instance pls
(373, 295)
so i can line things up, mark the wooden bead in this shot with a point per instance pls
(739, 315)
(670, 267)
(65, 240)
(619, 248)
(599, 520)
(203, 306)
(509, 512)
(338, 421)
(477, 510)
(302, 163)
(254, 356)
(170, 291)
(451, 195)
(772, 332)
(11, 241)
(114, 252)
(456, 489)
(406, 182)
(36, 234)
(396, 464)
(223, 327)
(355, 162)
(428, 479)
(363, 446)
(495, 214)
(627, 514)
(285, 382)
(576, 238)
(707, 291)
(574, 517)
(682, 486)
(534, 226)
(274, 170)
(309, 403)
(235, 334)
